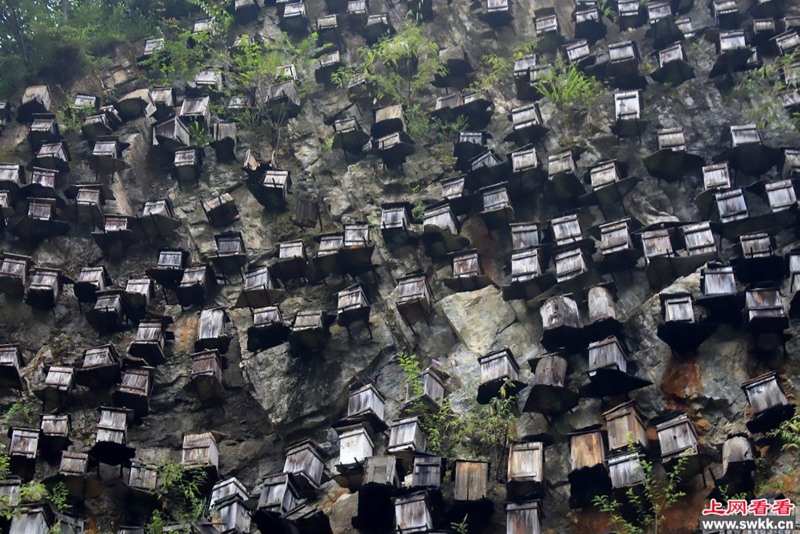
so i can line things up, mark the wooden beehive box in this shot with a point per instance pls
(172, 134)
(380, 471)
(471, 480)
(624, 54)
(586, 449)
(59, 383)
(91, 280)
(524, 517)
(736, 450)
(699, 239)
(221, 210)
(441, 217)
(561, 163)
(716, 176)
(55, 156)
(545, 22)
(231, 515)
(212, 332)
(12, 176)
(498, 365)
(24, 443)
(44, 289)
(758, 245)
(55, 431)
(159, 215)
(207, 375)
(524, 160)
(604, 174)
(106, 315)
(14, 274)
(600, 301)
(677, 307)
(136, 298)
(526, 476)
(355, 445)
(259, 289)
(569, 264)
(406, 435)
(89, 201)
(278, 494)
(781, 195)
(31, 519)
(414, 297)
(35, 99)
(143, 477)
(149, 343)
(625, 470)
(113, 426)
(196, 109)
(624, 422)
(351, 301)
(412, 513)
(227, 488)
(566, 229)
(428, 472)
(628, 106)
(73, 464)
(560, 311)
(731, 205)
(657, 243)
(10, 364)
(524, 235)
(764, 393)
(200, 451)
(196, 285)
(135, 389)
(607, 353)
(666, 56)
(764, 303)
(676, 436)
(305, 465)
(526, 265)
(717, 280)
(524, 117)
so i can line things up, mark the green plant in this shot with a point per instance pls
(418, 123)
(765, 90)
(22, 410)
(477, 431)
(198, 134)
(180, 493)
(788, 432)
(461, 527)
(247, 119)
(418, 211)
(63, 344)
(71, 117)
(5, 463)
(327, 144)
(647, 506)
(567, 87)
(499, 69)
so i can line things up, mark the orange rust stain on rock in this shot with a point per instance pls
(684, 516)
(681, 381)
(589, 521)
(702, 426)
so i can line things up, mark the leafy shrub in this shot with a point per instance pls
(478, 431)
(568, 87)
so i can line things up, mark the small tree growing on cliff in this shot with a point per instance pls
(479, 431)
(647, 507)
(180, 493)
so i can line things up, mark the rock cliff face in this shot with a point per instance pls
(274, 398)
